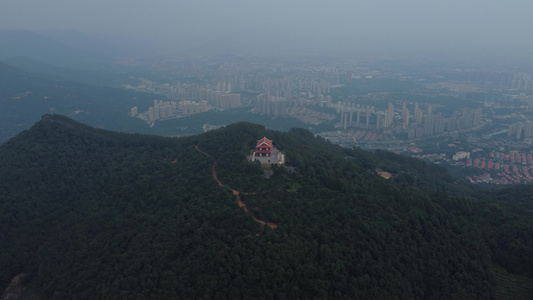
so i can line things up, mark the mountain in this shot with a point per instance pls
(109, 45)
(109, 77)
(22, 43)
(90, 213)
(26, 96)
(72, 54)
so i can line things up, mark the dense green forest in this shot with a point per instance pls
(87, 213)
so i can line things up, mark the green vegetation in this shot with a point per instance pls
(25, 97)
(89, 213)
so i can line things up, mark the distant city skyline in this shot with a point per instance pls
(456, 29)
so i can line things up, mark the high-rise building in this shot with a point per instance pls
(519, 127)
(156, 113)
(438, 124)
(389, 116)
(151, 115)
(418, 114)
(380, 120)
(405, 116)
(528, 129)
(429, 125)
(319, 99)
(477, 117)
(271, 105)
(328, 100)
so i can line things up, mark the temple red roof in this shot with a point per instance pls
(264, 142)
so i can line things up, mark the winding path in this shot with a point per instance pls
(235, 193)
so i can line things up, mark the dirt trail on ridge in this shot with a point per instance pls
(235, 192)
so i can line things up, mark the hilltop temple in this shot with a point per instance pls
(266, 153)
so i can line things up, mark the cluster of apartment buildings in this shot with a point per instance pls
(221, 97)
(271, 105)
(168, 109)
(522, 81)
(502, 79)
(194, 99)
(419, 124)
(520, 130)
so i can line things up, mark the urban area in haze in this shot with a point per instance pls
(364, 101)
(455, 92)
(477, 119)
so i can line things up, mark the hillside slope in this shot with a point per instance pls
(25, 97)
(88, 213)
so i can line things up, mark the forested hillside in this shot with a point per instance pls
(87, 213)
(25, 97)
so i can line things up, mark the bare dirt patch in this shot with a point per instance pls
(15, 288)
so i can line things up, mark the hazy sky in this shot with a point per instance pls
(468, 27)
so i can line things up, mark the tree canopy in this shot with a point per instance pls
(89, 213)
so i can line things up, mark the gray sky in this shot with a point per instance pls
(466, 28)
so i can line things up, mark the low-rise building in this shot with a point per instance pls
(461, 155)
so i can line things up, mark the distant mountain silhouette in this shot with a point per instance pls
(112, 77)
(16, 43)
(26, 96)
(109, 45)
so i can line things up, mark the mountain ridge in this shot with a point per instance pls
(26, 96)
(93, 212)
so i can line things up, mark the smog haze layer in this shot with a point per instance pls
(451, 29)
